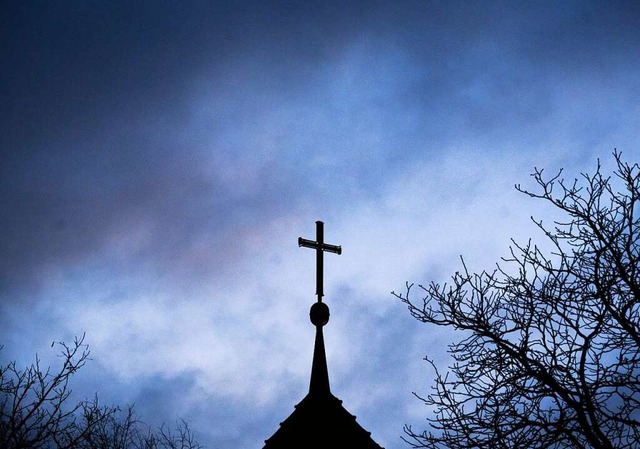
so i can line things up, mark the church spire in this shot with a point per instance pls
(319, 313)
(319, 384)
(320, 421)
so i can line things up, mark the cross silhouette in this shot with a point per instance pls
(320, 248)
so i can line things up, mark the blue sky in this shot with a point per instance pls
(160, 160)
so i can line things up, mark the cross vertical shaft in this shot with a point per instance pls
(320, 246)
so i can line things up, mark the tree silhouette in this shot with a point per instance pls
(36, 412)
(550, 356)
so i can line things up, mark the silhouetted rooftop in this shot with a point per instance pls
(320, 420)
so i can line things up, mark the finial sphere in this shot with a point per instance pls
(319, 314)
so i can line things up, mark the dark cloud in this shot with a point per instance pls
(98, 135)
(94, 99)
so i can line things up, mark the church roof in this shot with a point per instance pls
(320, 420)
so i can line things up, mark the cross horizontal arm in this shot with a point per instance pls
(332, 248)
(307, 243)
(324, 246)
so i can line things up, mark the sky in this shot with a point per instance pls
(160, 160)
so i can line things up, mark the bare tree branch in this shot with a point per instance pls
(550, 356)
(35, 412)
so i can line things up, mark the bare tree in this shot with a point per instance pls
(550, 353)
(36, 412)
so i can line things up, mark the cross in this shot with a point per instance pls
(320, 248)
